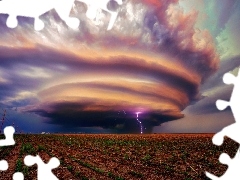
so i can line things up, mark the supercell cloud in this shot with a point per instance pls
(152, 61)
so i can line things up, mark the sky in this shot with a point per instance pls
(162, 61)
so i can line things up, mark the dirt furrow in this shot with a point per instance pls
(78, 169)
(109, 164)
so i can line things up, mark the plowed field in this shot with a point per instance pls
(156, 156)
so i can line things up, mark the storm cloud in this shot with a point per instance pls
(152, 62)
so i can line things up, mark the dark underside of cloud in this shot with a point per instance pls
(74, 115)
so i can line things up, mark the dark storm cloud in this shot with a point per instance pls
(167, 87)
(152, 61)
(72, 115)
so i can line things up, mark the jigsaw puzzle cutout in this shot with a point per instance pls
(36, 8)
(44, 170)
(3, 165)
(231, 131)
(232, 172)
(18, 176)
(8, 141)
(94, 6)
(8, 133)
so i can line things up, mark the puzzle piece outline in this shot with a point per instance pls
(93, 6)
(230, 131)
(18, 176)
(36, 8)
(3, 165)
(232, 172)
(8, 141)
(44, 170)
(8, 133)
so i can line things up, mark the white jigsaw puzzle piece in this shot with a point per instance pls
(230, 131)
(232, 172)
(18, 176)
(36, 8)
(234, 100)
(3, 165)
(95, 5)
(44, 170)
(8, 132)
(8, 141)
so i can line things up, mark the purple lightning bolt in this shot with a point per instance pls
(140, 123)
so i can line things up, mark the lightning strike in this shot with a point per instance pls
(140, 123)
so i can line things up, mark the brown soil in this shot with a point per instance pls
(155, 156)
